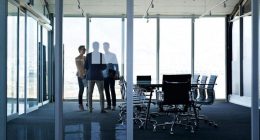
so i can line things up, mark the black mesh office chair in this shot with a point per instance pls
(176, 100)
(142, 81)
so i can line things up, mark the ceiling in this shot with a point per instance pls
(161, 7)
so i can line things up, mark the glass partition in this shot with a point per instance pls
(236, 58)
(247, 55)
(12, 59)
(209, 52)
(32, 95)
(21, 62)
(175, 46)
(45, 64)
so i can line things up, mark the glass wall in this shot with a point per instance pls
(247, 55)
(32, 43)
(144, 56)
(74, 35)
(175, 46)
(21, 61)
(12, 59)
(45, 63)
(209, 51)
(236, 58)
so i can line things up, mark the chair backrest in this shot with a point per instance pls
(212, 81)
(195, 79)
(143, 79)
(203, 81)
(176, 89)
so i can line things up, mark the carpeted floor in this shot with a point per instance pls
(233, 122)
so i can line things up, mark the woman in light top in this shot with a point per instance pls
(81, 73)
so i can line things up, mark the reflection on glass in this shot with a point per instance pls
(21, 63)
(12, 60)
(144, 48)
(175, 46)
(45, 63)
(235, 58)
(247, 55)
(31, 62)
(209, 52)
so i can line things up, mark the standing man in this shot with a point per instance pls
(95, 64)
(111, 74)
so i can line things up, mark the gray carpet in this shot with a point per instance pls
(233, 121)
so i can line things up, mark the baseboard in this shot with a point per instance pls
(241, 100)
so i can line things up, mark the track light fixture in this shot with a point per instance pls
(212, 8)
(146, 14)
(81, 9)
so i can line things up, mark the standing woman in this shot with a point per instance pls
(81, 73)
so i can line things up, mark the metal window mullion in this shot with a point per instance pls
(3, 68)
(192, 45)
(25, 62)
(157, 49)
(123, 48)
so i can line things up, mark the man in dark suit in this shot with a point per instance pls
(95, 64)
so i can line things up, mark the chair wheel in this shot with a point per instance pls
(171, 132)
(215, 125)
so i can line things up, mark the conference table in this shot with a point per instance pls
(150, 87)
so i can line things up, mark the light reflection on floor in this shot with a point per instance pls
(39, 124)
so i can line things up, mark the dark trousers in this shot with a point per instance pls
(109, 85)
(81, 90)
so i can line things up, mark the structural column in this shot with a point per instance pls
(58, 70)
(255, 70)
(3, 68)
(129, 68)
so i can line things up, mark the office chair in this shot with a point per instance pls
(206, 97)
(200, 89)
(139, 105)
(195, 79)
(176, 100)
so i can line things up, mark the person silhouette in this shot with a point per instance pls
(95, 64)
(111, 74)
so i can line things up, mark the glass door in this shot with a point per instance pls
(31, 64)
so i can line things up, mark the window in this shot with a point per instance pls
(209, 53)
(175, 46)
